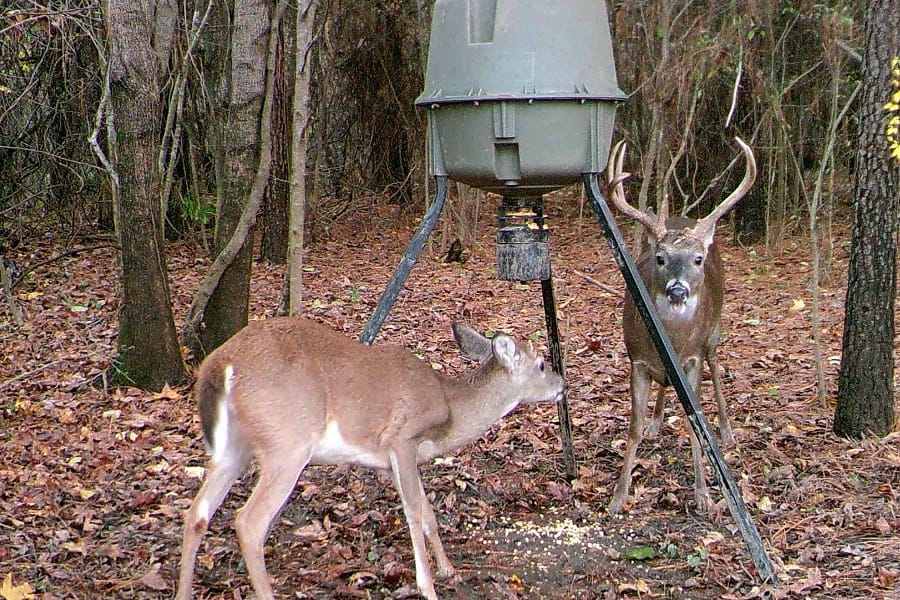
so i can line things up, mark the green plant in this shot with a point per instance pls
(695, 560)
(197, 210)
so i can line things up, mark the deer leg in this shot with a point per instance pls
(277, 478)
(640, 392)
(219, 479)
(693, 370)
(445, 570)
(725, 432)
(659, 410)
(409, 486)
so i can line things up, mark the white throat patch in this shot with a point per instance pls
(670, 311)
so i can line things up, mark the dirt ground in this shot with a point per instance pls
(95, 480)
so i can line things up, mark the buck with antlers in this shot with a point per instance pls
(292, 392)
(683, 273)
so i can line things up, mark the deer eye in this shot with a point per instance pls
(698, 260)
(540, 362)
(660, 259)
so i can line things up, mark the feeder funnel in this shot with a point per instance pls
(521, 93)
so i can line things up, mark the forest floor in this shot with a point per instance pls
(95, 480)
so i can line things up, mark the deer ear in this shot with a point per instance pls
(506, 352)
(470, 342)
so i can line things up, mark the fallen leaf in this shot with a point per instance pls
(75, 547)
(887, 577)
(167, 393)
(639, 587)
(516, 583)
(86, 494)
(153, 580)
(15, 592)
(195, 472)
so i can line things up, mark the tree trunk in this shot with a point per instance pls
(866, 380)
(237, 155)
(306, 18)
(274, 242)
(148, 350)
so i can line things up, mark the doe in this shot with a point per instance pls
(292, 392)
(684, 275)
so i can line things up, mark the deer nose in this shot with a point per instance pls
(677, 292)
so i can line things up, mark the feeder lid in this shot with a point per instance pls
(519, 49)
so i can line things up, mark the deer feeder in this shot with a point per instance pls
(521, 98)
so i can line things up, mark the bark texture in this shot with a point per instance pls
(148, 350)
(865, 403)
(241, 88)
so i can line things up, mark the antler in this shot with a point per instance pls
(614, 179)
(708, 222)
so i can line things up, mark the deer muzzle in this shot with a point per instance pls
(677, 292)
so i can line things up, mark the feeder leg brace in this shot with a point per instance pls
(676, 376)
(407, 262)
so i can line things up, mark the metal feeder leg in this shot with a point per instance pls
(413, 250)
(676, 376)
(556, 358)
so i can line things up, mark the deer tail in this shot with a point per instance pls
(213, 393)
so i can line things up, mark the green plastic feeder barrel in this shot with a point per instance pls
(521, 94)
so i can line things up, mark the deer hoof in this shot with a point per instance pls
(726, 435)
(447, 572)
(615, 506)
(705, 503)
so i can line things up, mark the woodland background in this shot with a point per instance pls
(77, 528)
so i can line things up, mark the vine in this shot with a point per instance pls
(892, 133)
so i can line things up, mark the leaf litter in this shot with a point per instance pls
(96, 479)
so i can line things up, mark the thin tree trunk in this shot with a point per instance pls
(148, 352)
(237, 282)
(815, 233)
(865, 403)
(306, 18)
(237, 149)
(274, 234)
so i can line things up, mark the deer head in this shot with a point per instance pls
(680, 246)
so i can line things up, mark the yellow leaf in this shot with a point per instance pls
(639, 587)
(15, 592)
(516, 583)
(797, 304)
(86, 494)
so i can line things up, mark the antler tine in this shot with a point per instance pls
(704, 224)
(663, 216)
(614, 178)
